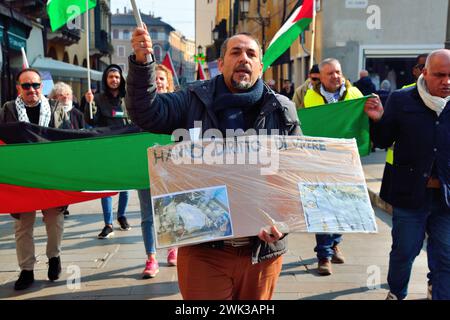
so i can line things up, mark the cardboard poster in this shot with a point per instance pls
(298, 183)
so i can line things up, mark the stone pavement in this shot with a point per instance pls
(111, 268)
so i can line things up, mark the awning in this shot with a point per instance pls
(63, 69)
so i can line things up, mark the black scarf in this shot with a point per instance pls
(237, 110)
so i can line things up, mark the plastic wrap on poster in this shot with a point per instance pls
(230, 188)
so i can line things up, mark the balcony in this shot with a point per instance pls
(35, 9)
(102, 44)
(63, 35)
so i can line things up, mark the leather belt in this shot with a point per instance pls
(433, 183)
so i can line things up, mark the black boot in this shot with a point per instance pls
(25, 280)
(54, 268)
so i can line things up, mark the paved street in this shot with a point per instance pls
(111, 268)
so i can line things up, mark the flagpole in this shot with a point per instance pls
(25, 64)
(313, 36)
(88, 64)
(137, 17)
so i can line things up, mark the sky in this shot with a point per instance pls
(180, 14)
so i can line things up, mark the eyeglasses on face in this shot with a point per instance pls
(419, 66)
(315, 79)
(27, 86)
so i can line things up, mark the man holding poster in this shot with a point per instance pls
(242, 268)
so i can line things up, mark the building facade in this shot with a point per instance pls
(59, 55)
(381, 36)
(123, 24)
(164, 37)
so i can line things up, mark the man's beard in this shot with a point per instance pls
(67, 106)
(241, 85)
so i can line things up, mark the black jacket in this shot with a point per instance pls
(108, 111)
(422, 140)
(365, 85)
(164, 113)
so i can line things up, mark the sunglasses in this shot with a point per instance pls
(419, 66)
(27, 86)
(315, 79)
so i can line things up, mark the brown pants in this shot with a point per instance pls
(225, 274)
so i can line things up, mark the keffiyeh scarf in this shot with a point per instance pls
(44, 113)
(332, 97)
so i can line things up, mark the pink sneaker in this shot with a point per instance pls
(151, 269)
(172, 257)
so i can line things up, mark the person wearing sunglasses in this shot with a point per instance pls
(417, 69)
(313, 79)
(32, 107)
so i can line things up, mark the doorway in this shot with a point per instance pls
(397, 70)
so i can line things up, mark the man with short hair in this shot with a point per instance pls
(237, 99)
(313, 79)
(333, 87)
(417, 184)
(417, 68)
(31, 106)
(365, 84)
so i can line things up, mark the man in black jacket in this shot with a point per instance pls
(32, 107)
(244, 268)
(416, 181)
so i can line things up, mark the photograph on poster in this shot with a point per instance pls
(337, 207)
(192, 216)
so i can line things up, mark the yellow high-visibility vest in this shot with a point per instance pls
(312, 98)
(409, 85)
(390, 155)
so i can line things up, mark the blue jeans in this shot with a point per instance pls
(147, 221)
(107, 207)
(439, 234)
(408, 234)
(325, 244)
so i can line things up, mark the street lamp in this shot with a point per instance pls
(263, 21)
(244, 6)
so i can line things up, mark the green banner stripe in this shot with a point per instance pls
(105, 163)
(345, 119)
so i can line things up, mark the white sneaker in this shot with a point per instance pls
(429, 292)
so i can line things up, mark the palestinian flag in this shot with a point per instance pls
(345, 119)
(56, 171)
(289, 32)
(15, 199)
(167, 62)
(200, 72)
(62, 11)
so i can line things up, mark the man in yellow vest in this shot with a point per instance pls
(417, 69)
(333, 87)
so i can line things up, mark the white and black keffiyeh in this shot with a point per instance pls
(44, 112)
(333, 97)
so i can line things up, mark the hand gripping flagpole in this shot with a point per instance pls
(137, 17)
(88, 64)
